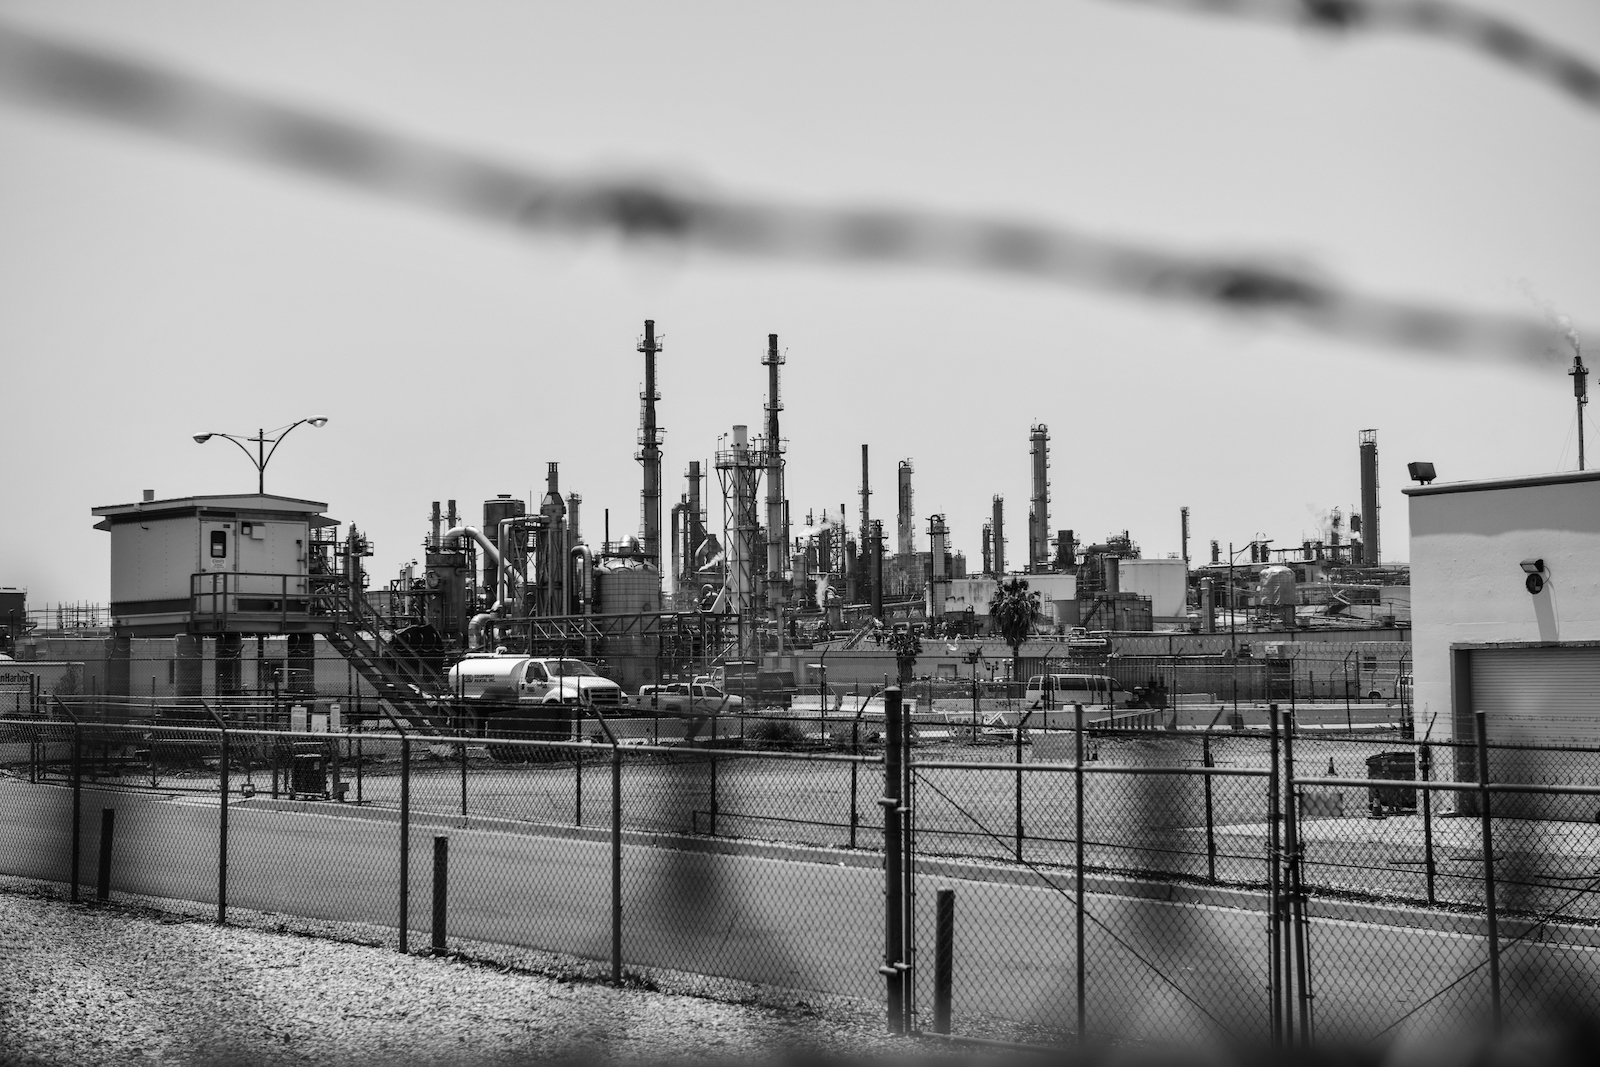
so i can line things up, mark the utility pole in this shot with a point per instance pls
(1580, 390)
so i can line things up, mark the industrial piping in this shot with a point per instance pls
(477, 623)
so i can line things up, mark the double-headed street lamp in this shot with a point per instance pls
(262, 438)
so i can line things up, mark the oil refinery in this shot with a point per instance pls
(778, 592)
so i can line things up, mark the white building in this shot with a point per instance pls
(1164, 581)
(1506, 610)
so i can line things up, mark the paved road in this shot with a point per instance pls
(1159, 969)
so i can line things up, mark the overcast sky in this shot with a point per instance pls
(149, 291)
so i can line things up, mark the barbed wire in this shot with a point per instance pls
(132, 94)
(1490, 35)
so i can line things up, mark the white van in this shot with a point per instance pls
(1064, 690)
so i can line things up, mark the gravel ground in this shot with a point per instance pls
(129, 984)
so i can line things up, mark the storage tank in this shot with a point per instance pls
(1277, 587)
(627, 587)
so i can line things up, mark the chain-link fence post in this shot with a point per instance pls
(1208, 762)
(893, 903)
(1297, 913)
(1488, 868)
(855, 773)
(441, 889)
(944, 936)
(711, 751)
(616, 861)
(405, 837)
(1018, 791)
(1077, 866)
(1425, 770)
(1274, 906)
(222, 816)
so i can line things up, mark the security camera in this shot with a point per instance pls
(1533, 566)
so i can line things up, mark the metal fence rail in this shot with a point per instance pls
(1045, 883)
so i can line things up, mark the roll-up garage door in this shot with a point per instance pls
(1539, 697)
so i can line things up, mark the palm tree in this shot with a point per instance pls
(1012, 608)
(906, 647)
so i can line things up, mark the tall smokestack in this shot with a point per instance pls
(574, 502)
(694, 518)
(777, 522)
(866, 499)
(998, 521)
(1183, 514)
(433, 522)
(649, 453)
(988, 550)
(1039, 514)
(906, 546)
(1369, 498)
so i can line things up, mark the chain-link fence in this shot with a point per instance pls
(1068, 878)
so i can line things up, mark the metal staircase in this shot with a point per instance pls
(356, 631)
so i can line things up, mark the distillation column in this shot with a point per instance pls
(906, 543)
(1039, 514)
(864, 541)
(739, 471)
(998, 522)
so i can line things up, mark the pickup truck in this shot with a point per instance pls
(696, 702)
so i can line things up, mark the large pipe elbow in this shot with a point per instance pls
(452, 536)
(475, 628)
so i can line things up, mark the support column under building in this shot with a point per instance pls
(230, 663)
(302, 663)
(188, 672)
(119, 665)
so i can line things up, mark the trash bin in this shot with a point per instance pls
(1392, 766)
(308, 776)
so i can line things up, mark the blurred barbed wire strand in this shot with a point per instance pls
(1487, 34)
(129, 93)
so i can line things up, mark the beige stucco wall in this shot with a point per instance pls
(1467, 582)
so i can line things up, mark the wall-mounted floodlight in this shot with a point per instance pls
(1534, 568)
(1421, 472)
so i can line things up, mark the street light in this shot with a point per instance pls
(260, 440)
